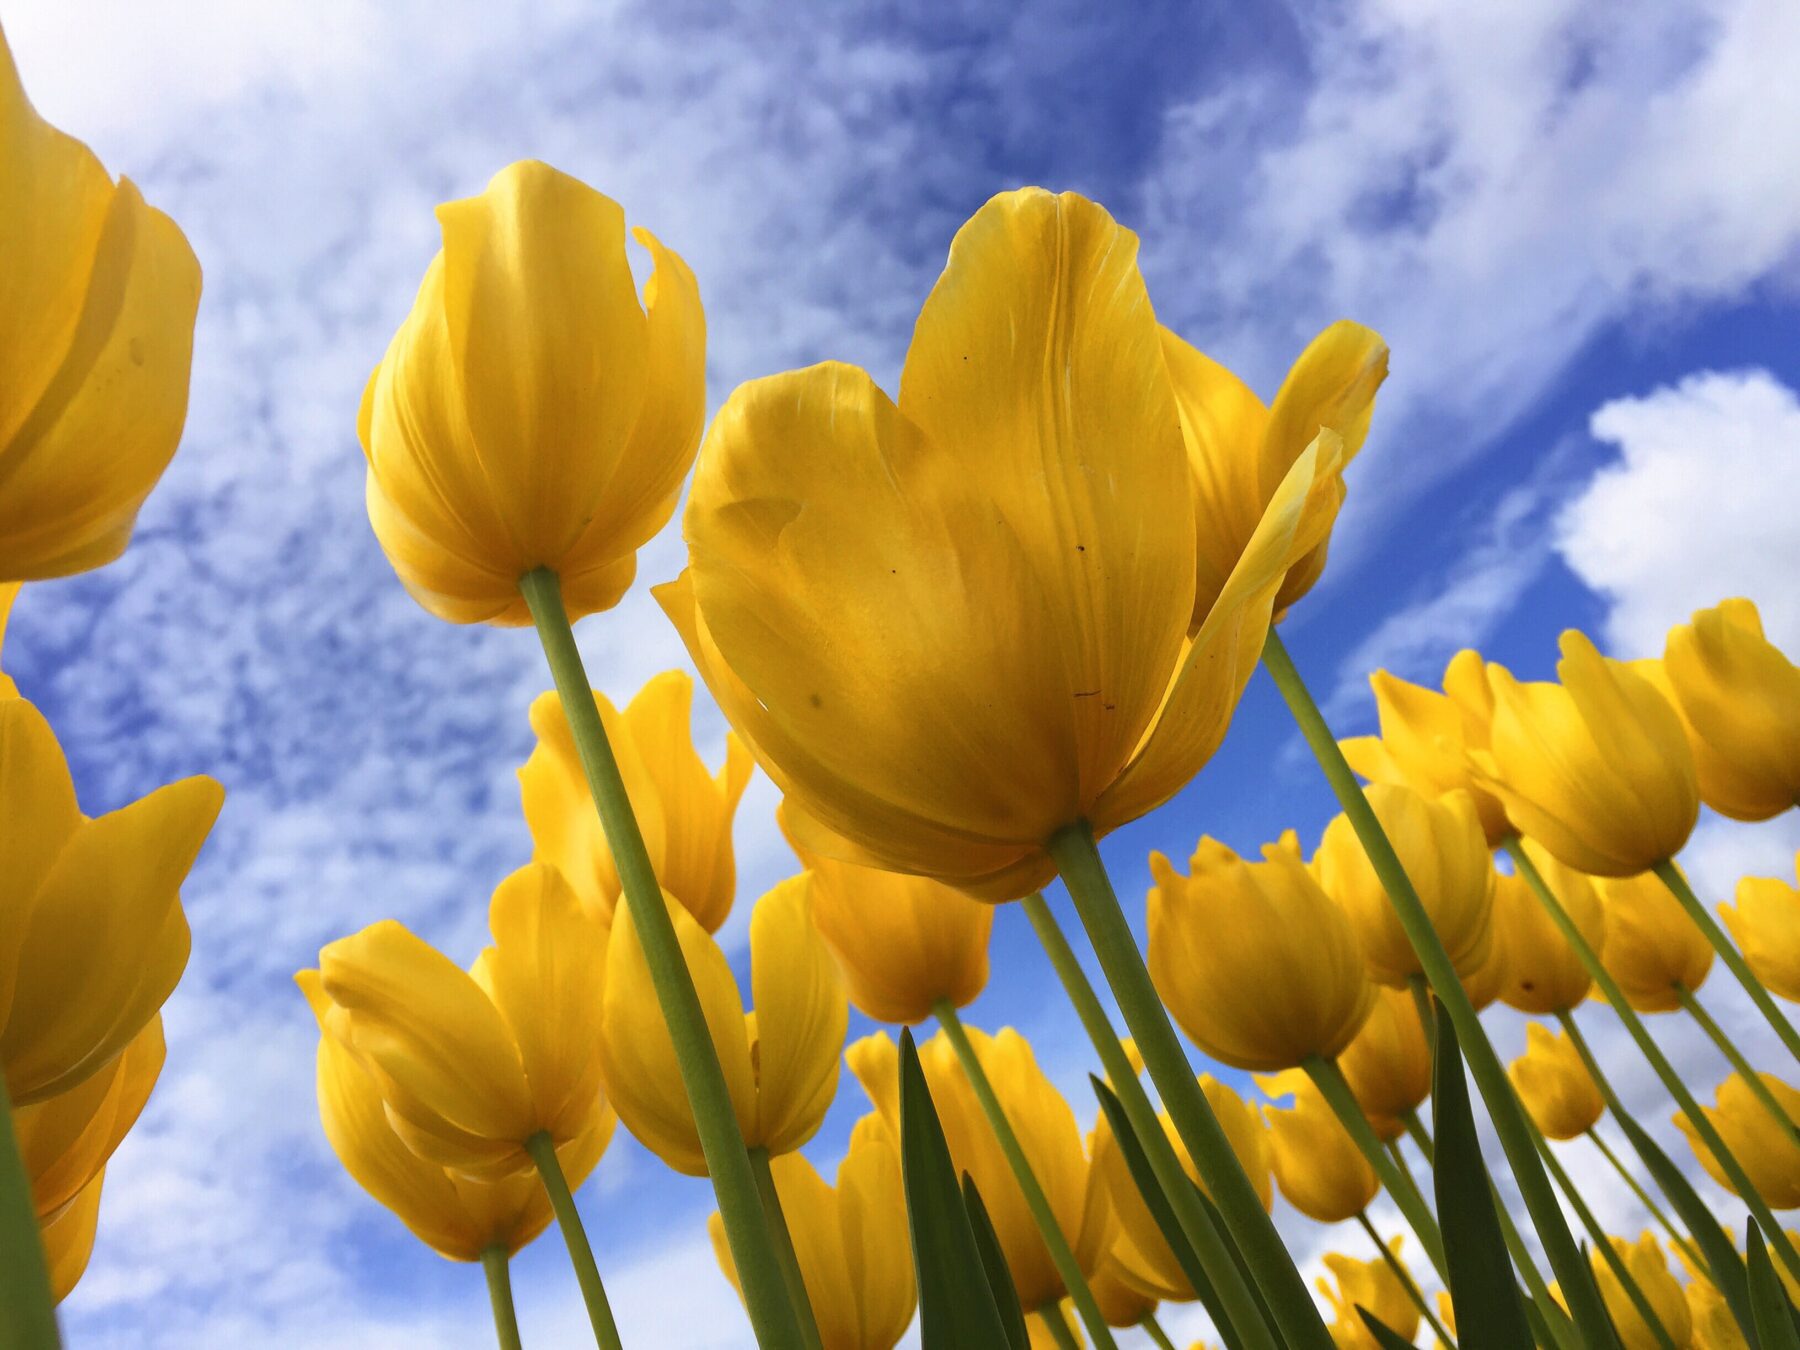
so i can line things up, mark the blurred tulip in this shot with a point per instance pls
(1121, 1303)
(1766, 924)
(1220, 939)
(1596, 767)
(1553, 1082)
(972, 633)
(530, 411)
(1543, 973)
(1651, 944)
(1388, 1065)
(97, 308)
(1769, 1154)
(1373, 1285)
(1317, 1164)
(68, 1237)
(92, 934)
(1715, 1326)
(1644, 1259)
(684, 811)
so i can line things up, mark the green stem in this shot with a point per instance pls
(1153, 1329)
(1058, 1325)
(1645, 1199)
(1752, 1079)
(1061, 1256)
(1730, 955)
(496, 1264)
(773, 1318)
(1421, 997)
(1416, 1131)
(25, 1303)
(1634, 1025)
(1407, 1282)
(1076, 857)
(783, 1241)
(1237, 1302)
(568, 1218)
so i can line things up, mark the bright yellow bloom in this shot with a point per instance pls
(1445, 854)
(1596, 767)
(901, 942)
(1651, 944)
(1715, 1326)
(1388, 1065)
(530, 412)
(1220, 939)
(1370, 1284)
(780, 1060)
(455, 1215)
(68, 1237)
(1120, 1302)
(1770, 1155)
(1047, 1132)
(1739, 698)
(1317, 1164)
(1555, 1085)
(1484, 984)
(1242, 449)
(9, 592)
(851, 1241)
(1644, 1260)
(1426, 736)
(472, 1064)
(683, 809)
(92, 935)
(1766, 924)
(97, 304)
(954, 625)
(1543, 973)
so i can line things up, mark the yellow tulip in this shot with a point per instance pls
(949, 627)
(780, 1060)
(1317, 1164)
(1240, 449)
(1445, 854)
(9, 592)
(68, 1237)
(1651, 944)
(1426, 736)
(1388, 1065)
(1596, 767)
(1220, 939)
(92, 934)
(1485, 983)
(1370, 1284)
(472, 1064)
(851, 1240)
(1739, 698)
(684, 811)
(1715, 1326)
(1553, 1082)
(530, 411)
(1038, 1335)
(1647, 1266)
(1120, 1302)
(1770, 1155)
(96, 339)
(1766, 924)
(1543, 973)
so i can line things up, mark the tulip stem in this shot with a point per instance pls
(1271, 1265)
(1634, 1025)
(1752, 1079)
(1416, 1131)
(496, 1264)
(1058, 1326)
(30, 1314)
(1730, 955)
(1153, 1329)
(773, 1318)
(1644, 1198)
(1401, 1273)
(783, 1239)
(1238, 1307)
(568, 1218)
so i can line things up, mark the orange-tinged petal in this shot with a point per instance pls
(801, 1017)
(65, 1140)
(9, 592)
(38, 798)
(68, 1237)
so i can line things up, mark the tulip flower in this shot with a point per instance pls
(1770, 1155)
(1221, 938)
(1715, 1326)
(1317, 1164)
(92, 934)
(1553, 1082)
(1388, 1065)
(851, 1241)
(903, 944)
(1739, 698)
(1374, 1285)
(96, 342)
(1652, 947)
(1426, 736)
(9, 592)
(1440, 843)
(1543, 972)
(780, 1060)
(1766, 923)
(1488, 980)
(684, 811)
(530, 411)
(1121, 1302)
(1650, 1271)
(1595, 767)
(68, 1237)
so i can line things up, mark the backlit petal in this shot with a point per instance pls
(801, 1017)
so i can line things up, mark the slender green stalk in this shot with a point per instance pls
(27, 1314)
(1401, 1273)
(1421, 997)
(773, 1318)
(1752, 1079)
(568, 1218)
(1730, 955)
(1058, 1325)
(1153, 1329)
(497, 1266)
(783, 1241)
(1634, 1025)
(1270, 1263)
(1644, 1198)
(1061, 1256)
(1236, 1300)
(1416, 1131)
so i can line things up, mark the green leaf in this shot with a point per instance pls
(1385, 1336)
(1768, 1300)
(957, 1308)
(993, 1261)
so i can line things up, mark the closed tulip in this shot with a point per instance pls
(1388, 1065)
(1766, 924)
(1770, 1155)
(472, 1064)
(531, 412)
(1120, 1302)
(68, 1238)
(1370, 1284)
(96, 339)
(1543, 973)
(780, 1060)
(92, 934)
(1595, 767)
(1715, 1326)
(683, 809)
(1221, 938)
(851, 1241)
(1317, 1164)
(1485, 983)
(1554, 1083)
(1445, 854)
(1652, 946)
(949, 626)
(1650, 1270)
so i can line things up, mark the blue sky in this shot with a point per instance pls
(1581, 237)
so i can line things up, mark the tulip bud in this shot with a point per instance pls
(1388, 1065)
(1652, 946)
(1650, 1271)
(1766, 924)
(1543, 972)
(1373, 1285)
(1554, 1083)
(1769, 1154)
(1317, 1164)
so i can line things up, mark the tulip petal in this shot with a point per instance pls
(872, 1232)
(801, 1017)
(69, 1239)
(1331, 386)
(41, 815)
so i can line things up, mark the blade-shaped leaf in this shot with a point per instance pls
(1768, 1300)
(993, 1261)
(1385, 1336)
